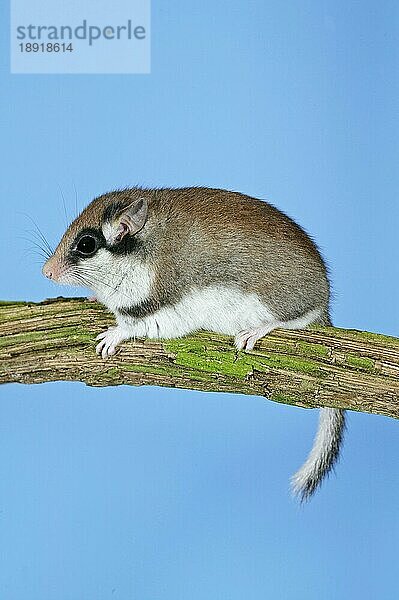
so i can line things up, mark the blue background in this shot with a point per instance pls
(157, 494)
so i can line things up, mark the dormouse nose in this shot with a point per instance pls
(47, 272)
(48, 269)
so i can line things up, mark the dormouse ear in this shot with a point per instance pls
(129, 221)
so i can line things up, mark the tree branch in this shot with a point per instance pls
(338, 368)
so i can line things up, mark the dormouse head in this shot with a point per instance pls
(94, 248)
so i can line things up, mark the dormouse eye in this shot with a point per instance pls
(87, 245)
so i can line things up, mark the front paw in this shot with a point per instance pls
(109, 341)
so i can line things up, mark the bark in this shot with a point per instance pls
(338, 368)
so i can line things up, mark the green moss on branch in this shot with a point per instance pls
(55, 340)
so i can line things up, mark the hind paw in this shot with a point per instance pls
(246, 339)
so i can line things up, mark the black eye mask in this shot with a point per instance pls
(87, 243)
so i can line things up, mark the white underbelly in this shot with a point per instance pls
(221, 309)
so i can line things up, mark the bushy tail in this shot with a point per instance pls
(323, 455)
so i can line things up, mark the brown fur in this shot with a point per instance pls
(200, 236)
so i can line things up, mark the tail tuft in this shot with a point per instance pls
(324, 453)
